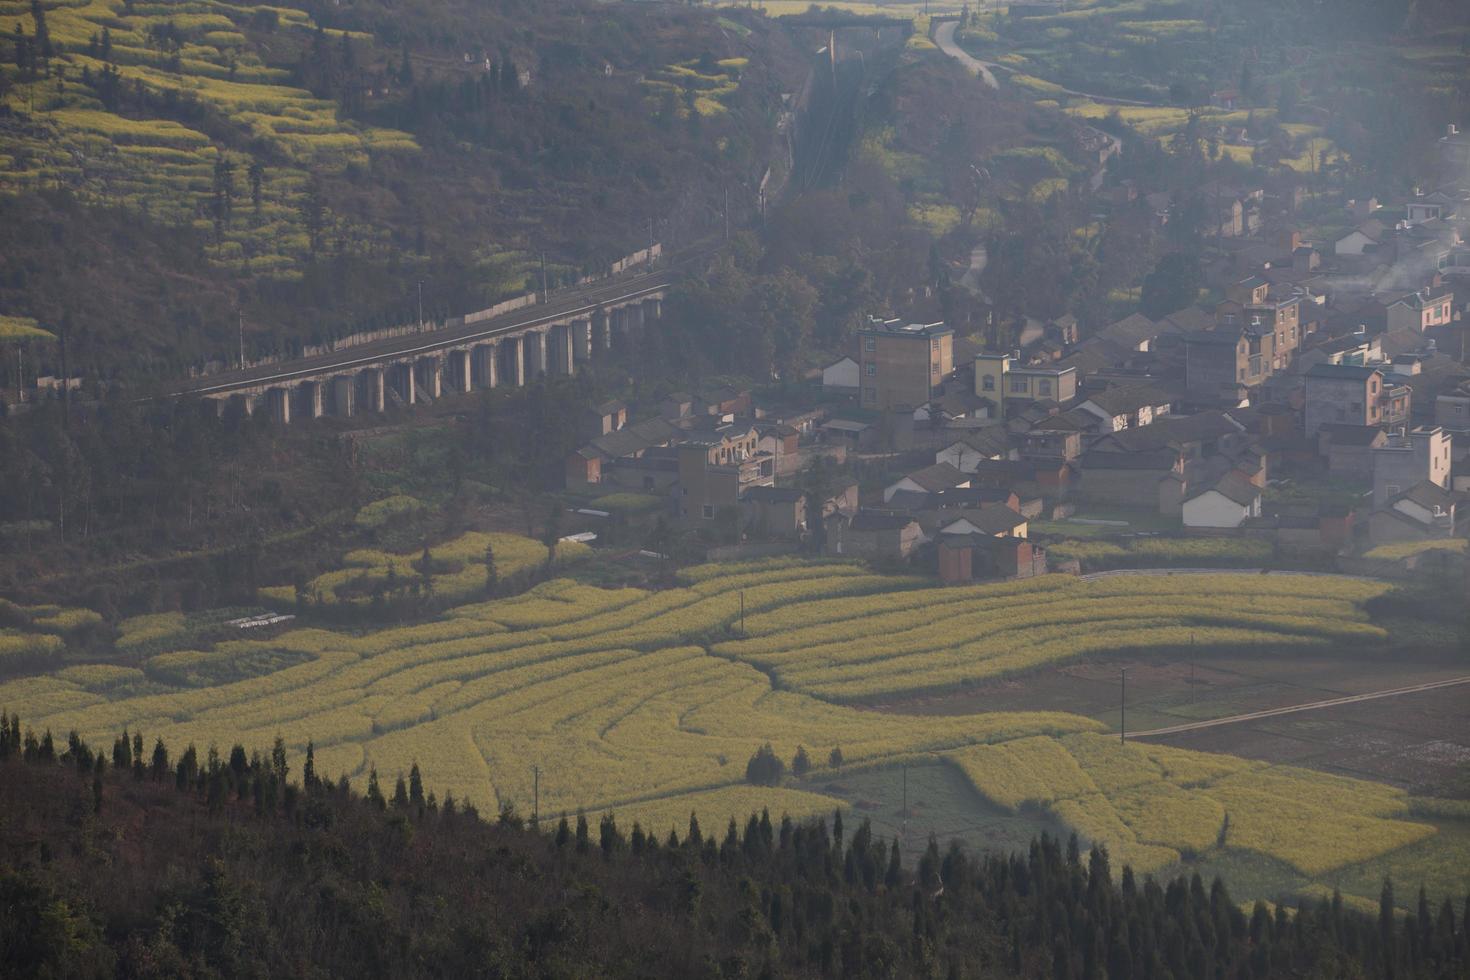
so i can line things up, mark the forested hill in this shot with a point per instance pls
(135, 865)
(165, 164)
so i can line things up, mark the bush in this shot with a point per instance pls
(765, 768)
(801, 763)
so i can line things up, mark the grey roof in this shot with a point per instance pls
(1213, 338)
(635, 438)
(870, 520)
(773, 495)
(1159, 460)
(940, 476)
(1428, 495)
(1343, 434)
(1233, 486)
(1121, 399)
(1342, 372)
(991, 520)
(1173, 431)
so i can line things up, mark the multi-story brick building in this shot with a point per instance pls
(902, 364)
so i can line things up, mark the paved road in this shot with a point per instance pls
(944, 37)
(570, 303)
(1291, 709)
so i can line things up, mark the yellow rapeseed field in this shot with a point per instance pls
(649, 704)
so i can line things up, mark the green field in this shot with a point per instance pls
(650, 703)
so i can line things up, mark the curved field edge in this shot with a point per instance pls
(613, 695)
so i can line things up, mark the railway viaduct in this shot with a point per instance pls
(483, 350)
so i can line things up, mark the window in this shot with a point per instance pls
(870, 394)
(1242, 374)
(870, 343)
(1020, 386)
(1043, 386)
(987, 382)
(707, 512)
(871, 369)
(1373, 387)
(934, 345)
(1393, 489)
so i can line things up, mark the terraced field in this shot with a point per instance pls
(105, 121)
(650, 703)
(1153, 805)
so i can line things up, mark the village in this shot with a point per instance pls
(1315, 404)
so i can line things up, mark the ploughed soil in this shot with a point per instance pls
(1420, 741)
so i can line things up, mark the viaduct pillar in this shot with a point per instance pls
(431, 376)
(460, 378)
(280, 405)
(403, 381)
(581, 334)
(514, 362)
(483, 368)
(344, 396)
(374, 393)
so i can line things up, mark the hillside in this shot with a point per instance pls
(311, 165)
(236, 868)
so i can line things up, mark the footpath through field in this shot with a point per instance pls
(1310, 706)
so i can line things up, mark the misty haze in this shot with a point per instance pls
(736, 489)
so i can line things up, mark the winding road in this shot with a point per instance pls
(1292, 709)
(944, 37)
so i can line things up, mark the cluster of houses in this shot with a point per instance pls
(1322, 403)
(1343, 375)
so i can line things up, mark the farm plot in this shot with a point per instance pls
(1154, 805)
(619, 699)
(930, 640)
(603, 689)
(456, 570)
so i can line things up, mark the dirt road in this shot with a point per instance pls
(1292, 709)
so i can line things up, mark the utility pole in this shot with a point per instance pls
(242, 339)
(545, 294)
(742, 612)
(727, 212)
(1191, 669)
(1123, 705)
(421, 306)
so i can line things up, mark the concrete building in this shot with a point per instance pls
(875, 534)
(774, 511)
(1341, 394)
(1408, 459)
(999, 378)
(1127, 406)
(1421, 310)
(902, 365)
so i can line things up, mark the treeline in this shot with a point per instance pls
(140, 866)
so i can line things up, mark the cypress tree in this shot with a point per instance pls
(415, 786)
(400, 793)
(374, 791)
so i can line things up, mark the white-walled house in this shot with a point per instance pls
(841, 374)
(940, 476)
(1228, 504)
